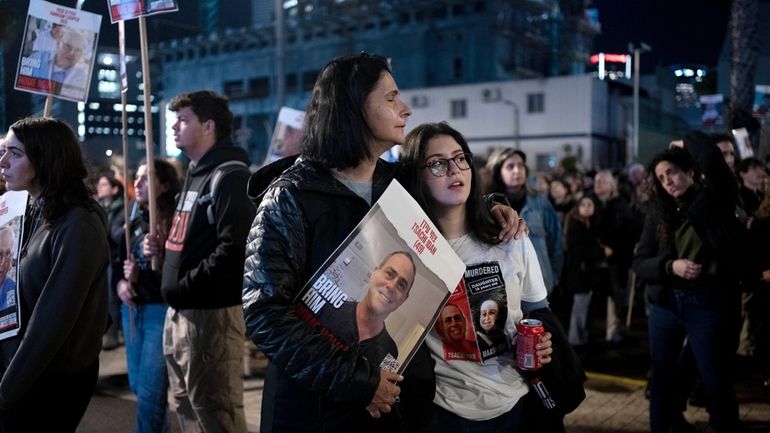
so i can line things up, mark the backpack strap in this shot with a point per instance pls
(218, 173)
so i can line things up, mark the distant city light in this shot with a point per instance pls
(607, 65)
(169, 119)
(130, 108)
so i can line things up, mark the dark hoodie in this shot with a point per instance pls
(203, 267)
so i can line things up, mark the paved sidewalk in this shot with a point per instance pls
(616, 404)
(613, 404)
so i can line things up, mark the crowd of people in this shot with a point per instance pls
(231, 250)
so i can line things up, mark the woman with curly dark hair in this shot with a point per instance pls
(53, 362)
(688, 257)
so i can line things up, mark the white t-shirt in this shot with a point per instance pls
(478, 391)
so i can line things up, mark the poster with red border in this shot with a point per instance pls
(13, 204)
(121, 10)
(122, 56)
(58, 51)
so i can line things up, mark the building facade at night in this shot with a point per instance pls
(430, 44)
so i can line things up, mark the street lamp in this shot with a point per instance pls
(515, 122)
(637, 50)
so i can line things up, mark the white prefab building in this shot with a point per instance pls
(548, 119)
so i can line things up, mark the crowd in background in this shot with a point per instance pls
(685, 238)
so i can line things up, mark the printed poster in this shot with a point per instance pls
(712, 109)
(382, 288)
(121, 10)
(472, 323)
(58, 51)
(761, 100)
(743, 142)
(287, 134)
(12, 207)
(122, 56)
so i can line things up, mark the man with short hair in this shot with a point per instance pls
(453, 325)
(388, 289)
(203, 269)
(67, 77)
(619, 230)
(362, 324)
(47, 40)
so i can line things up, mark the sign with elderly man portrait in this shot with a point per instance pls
(58, 51)
(382, 288)
(12, 207)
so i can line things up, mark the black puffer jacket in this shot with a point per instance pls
(302, 218)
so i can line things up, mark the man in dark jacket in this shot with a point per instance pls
(202, 278)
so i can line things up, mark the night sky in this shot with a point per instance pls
(679, 31)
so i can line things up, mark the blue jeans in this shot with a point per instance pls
(505, 423)
(147, 373)
(706, 319)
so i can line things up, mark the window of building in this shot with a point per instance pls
(458, 108)
(419, 101)
(291, 83)
(308, 80)
(234, 89)
(457, 68)
(259, 87)
(535, 103)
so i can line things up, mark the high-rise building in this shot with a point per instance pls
(430, 43)
(99, 121)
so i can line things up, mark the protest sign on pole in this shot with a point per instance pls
(121, 10)
(287, 134)
(743, 143)
(124, 132)
(58, 51)
(150, 146)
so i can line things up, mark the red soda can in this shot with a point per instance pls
(528, 333)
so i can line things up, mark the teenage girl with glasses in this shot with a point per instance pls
(484, 397)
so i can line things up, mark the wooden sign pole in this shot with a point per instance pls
(148, 136)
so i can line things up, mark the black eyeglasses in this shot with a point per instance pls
(440, 166)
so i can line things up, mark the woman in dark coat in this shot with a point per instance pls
(586, 270)
(50, 368)
(689, 255)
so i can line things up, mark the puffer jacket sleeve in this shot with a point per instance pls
(276, 257)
